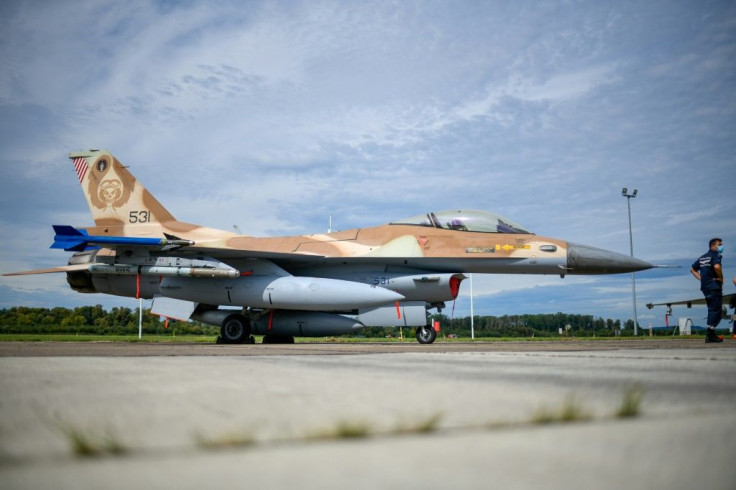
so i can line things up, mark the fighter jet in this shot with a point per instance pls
(308, 285)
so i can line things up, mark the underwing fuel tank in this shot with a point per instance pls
(432, 288)
(286, 292)
(305, 323)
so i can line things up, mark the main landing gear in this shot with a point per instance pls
(235, 330)
(426, 334)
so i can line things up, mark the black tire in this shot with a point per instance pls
(426, 334)
(278, 339)
(235, 330)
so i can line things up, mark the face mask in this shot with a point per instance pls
(720, 249)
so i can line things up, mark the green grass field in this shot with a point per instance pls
(21, 337)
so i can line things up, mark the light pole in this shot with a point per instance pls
(625, 193)
(472, 313)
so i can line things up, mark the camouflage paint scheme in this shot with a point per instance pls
(129, 201)
(385, 275)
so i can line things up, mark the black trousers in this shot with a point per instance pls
(714, 300)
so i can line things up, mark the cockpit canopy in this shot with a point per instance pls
(479, 221)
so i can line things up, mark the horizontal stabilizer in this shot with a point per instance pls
(173, 308)
(728, 299)
(73, 240)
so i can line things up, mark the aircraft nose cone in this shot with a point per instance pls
(582, 259)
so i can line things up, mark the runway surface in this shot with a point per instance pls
(275, 416)
(115, 349)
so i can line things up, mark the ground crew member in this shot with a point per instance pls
(708, 270)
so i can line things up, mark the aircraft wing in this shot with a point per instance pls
(228, 253)
(728, 299)
(305, 260)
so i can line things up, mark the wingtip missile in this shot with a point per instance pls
(75, 240)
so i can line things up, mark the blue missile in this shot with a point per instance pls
(74, 240)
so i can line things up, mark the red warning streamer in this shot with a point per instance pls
(137, 286)
(398, 310)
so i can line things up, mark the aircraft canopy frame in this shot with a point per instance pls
(459, 220)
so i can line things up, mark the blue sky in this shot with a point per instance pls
(273, 115)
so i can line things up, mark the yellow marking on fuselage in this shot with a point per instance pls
(507, 247)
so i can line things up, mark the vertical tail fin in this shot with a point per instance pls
(114, 196)
(121, 206)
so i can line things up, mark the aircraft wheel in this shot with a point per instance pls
(426, 334)
(278, 339)
(235, 330)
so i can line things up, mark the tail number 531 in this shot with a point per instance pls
(139, 217)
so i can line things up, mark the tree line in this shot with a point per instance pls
(535, 325)
(124, 321)
(93, 320)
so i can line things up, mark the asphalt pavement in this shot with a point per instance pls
(516, 415)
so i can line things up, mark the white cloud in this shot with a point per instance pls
(558, 88)
(273, 116)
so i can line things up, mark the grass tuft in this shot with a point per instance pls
(226, 441)
(570, 411)
(86, 444)
(631, 402)
(420, 426)
(352, 430)
(344, 429)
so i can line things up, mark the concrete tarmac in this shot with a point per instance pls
(368, 415)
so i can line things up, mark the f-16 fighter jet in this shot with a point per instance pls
(307, 285)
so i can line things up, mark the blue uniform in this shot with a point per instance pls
(712, 289)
